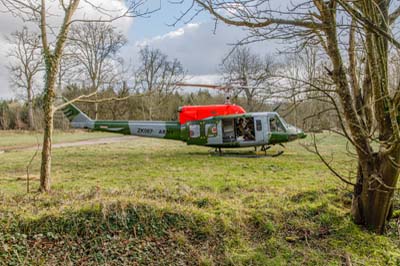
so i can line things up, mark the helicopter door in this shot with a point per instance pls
(277, 132)
(213, 132)
(260, 128)
(245, 130)
(196, 133)
(275, 125)
(228, 130)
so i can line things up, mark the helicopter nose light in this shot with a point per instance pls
(295, 132)
(302, 135)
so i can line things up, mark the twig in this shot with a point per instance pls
(327, 164)
(347, 259)
(29, 165)
(398, 227)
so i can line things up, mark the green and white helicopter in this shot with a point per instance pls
(218, 126)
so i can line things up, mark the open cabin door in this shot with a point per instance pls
(228, 130)
(239, 129)
(245, 129)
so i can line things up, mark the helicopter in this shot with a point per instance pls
(218, 126)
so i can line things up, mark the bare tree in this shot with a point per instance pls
(94, 47)
(305, 88)
(251, 71)
(26, 62)
(119, 108)
(158, 77)
(369, 105)
(37, 12)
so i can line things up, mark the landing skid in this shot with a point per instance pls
(247, 154)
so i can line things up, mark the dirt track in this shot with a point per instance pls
(73, 144)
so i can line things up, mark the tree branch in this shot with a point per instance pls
(265, 23)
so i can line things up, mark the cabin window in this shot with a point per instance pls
(211, 130)
(194, 131)
(258, 125)
(276, 125)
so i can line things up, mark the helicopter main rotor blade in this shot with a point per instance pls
(229, 90)
(218, 87)
(209, 86)
(277, 107)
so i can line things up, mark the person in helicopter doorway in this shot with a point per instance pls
(245, 129)
(241, 127)
(249, 130)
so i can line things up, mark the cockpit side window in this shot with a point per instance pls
(258, 125)
(276, 125)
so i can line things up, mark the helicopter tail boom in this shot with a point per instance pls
(153, 129)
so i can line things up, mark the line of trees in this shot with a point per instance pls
(14, 114)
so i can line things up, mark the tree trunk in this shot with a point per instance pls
(96, 107)
(377, 173)
(52, 63)
(49, 97)
(45, 171)
(250, 105)
(95, 89)
(372, 202)
(31, 123)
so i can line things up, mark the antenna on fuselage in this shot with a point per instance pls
(227, 99)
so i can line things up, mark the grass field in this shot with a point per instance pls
(158, 202)
(14, 139)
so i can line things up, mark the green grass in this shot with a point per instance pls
(12, 139)
(158, 202)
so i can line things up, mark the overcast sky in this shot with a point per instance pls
(193, 43)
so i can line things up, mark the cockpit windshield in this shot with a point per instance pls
(276, 124)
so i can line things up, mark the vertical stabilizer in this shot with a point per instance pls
(77, 118)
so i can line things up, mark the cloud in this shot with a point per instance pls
(5, 91)
(197, 47)
(103, 10)
(194, 45)
(168, 36)
(9, 23)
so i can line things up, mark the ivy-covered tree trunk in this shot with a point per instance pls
(377, 176)
(48, 108)
(45, 171)
(52, 60)
(373, 194)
